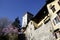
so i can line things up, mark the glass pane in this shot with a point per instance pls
(56, 20)
(53, 8)
(58, 13)
(59, 2)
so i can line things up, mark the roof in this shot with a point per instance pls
(49, 1)
(28, 13)
(41, 14)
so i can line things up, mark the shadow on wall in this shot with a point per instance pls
(3, 37)
(21, 37)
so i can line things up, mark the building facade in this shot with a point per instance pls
(54, 11)
(46, 24)
(42, 32)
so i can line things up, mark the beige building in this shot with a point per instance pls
(40, 27)
(54, 11)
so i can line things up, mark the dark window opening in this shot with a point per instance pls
(58, 13)
(55, 35)
(59, 2)
(54, 22)
(52, 8)
(31, 22)
(57, 19)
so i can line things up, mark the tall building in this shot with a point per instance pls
(26, 18)
(54, 11)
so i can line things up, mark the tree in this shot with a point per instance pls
(16, 23)
(12, 29)
(11, 32)
(3, 23)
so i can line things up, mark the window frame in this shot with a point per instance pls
(59, 2)
(58, 13)
(57, 33)
(52, 7)
(55, 21)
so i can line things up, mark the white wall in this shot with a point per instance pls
(30, 31)
(24, 20)
(45, 32)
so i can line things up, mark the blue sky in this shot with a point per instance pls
(13, 8)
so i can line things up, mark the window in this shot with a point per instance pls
(56, 20)
(52, 8)
(59, 2)
(31, 22)
(57, 34)
(58, 13)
